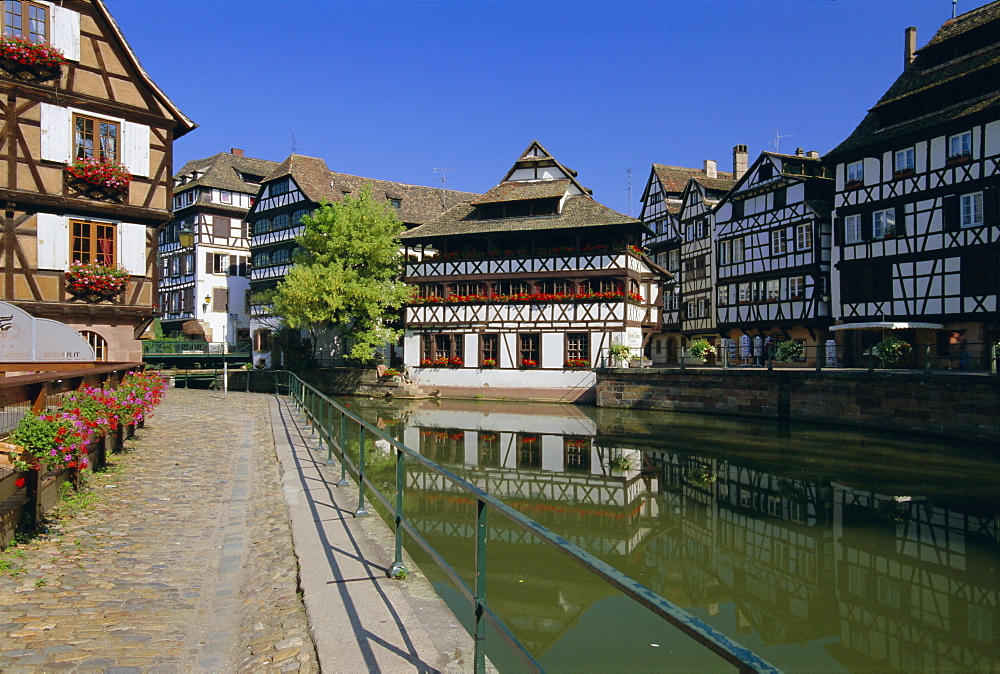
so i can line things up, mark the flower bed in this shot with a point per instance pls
(539, 298)
(96, 281)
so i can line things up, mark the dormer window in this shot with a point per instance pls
(527, 208)
(279, 187)
(396, 203)
(225, 196)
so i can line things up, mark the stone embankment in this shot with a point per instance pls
(957, 405)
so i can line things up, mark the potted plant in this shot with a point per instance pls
(701, 349)
(489, 363)
(23, 57)
(97, 178)
(619, 354)
(390, 373)
(96, 281)
(891, 350)
(620, 464)
(787, 351)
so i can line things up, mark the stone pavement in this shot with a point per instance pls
(185, 562)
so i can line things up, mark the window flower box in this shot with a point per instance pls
(99, 180)
(489, 363)
(528, 363)
(958, 159)
(29, 60)
(455, 361)
(853, 184)
(577, 364)
(903, 173)
(96, 282)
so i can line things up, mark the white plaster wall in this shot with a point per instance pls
(796, 193)
(992, 139)
(500, 378)
(553, 349)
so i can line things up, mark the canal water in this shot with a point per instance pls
(819, 548)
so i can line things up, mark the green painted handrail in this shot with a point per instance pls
(318, 411)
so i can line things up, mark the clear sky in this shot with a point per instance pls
(393, 90)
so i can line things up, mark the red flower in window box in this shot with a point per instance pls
(24, 51)
(527, 362)
(95, 280)
(853, 184)
(441, 361)
(489, 362)
(100, 173)
(426, 362)
(578, 363)
(455, 361)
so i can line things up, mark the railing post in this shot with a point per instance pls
(398, 567)
(820, 357)
(769, 357)
(343, 451)
(329, 435)
(871, 362)
(683, 353)
(725, 354)
(479, 632)
(361, 511)
(927, 357)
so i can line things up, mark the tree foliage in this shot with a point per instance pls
(347, 273)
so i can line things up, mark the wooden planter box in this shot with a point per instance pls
(13, 500)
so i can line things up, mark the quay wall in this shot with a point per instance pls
(955, 405)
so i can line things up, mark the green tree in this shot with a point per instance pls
(347, 274)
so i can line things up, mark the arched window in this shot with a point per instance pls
(281, 221)
(262, 226)
(602, 285)
(261, 260)
(557, 287)
(298, 215)
(281, 256)
(511, 288)
(98, 343)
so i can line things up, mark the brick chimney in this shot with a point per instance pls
(799, 152)
(909, 46)
(236, 151)
(741, 160)
(710, 168)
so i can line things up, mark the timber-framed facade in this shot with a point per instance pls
(203, 288)
(99, 105)
(917, 212)
(293, 189)
(772, 257)
(522, 291)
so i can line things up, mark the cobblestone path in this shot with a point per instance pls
(184, 563)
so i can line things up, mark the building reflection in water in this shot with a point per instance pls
(807, 558)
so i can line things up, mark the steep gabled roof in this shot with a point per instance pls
(318, 183)
(955, 75)
(224, 171)
(578, 212)
(184, 124)
(675, 178)
(782, 161)
(536, 156)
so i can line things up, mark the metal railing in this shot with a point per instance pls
(334, 424)
(971, 357)
(161, 347)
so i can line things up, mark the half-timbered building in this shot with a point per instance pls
(295, 188)
(522, 290)
(87, 142)
(696, 221)
(204, 284)
(772, 252)
(917, 228)
(661, 207)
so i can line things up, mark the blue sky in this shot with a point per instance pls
(393, 90)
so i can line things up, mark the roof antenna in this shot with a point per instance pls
(628, 177)
(954, 7)
(294, 142)
(444, 176)
(777, 140)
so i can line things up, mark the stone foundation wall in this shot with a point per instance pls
(955, 405)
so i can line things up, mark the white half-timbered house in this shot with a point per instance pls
(772, 252)
(98, 106)
(917, 212)
(203, 288)
(661, 207)
(521, 291)
(293, 189)
(697, 223)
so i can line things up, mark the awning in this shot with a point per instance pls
(888, 325)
